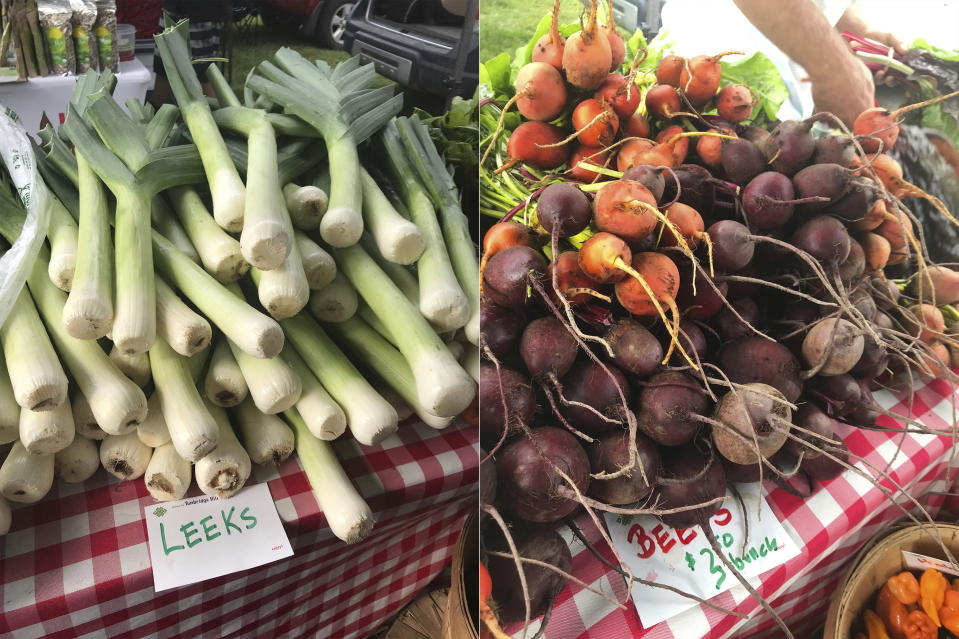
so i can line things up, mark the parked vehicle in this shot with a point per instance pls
(324, 19)
(426, 45)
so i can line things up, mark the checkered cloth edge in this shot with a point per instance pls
(830, 527)
(76, 564)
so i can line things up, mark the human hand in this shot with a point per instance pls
(887, 39)
(845, 90)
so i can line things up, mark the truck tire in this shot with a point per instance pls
(332, 22)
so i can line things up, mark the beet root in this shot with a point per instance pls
(834, 345)
(751, 412)
(547, 347)
(669, 404)
(541, 544)
(520, 401)
(563, 207)
(507, 274)
(587, 383)
(690, 477)
(755, 359)
(609, 454)
(635, 350)
(527, 480)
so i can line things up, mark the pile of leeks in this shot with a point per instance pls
(228, 280)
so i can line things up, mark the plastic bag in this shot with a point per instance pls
(84, 40)
(105, 29)
(55, 18)
(17, 155)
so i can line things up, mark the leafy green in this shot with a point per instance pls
(524, 54)
(942, 116)
(456, 132)
(945, 54)
(495, 75)
(656, 50)
(761, 75)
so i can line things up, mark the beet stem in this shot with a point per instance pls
(492, 512)
(502, 394)
(559, 416)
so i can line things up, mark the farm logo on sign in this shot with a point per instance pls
(160, 511)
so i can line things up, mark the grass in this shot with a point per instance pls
(508, 24)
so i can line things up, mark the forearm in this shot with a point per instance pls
(801, 31)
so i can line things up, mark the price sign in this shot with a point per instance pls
(683, 558)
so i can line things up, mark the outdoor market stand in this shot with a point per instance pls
(77, 564)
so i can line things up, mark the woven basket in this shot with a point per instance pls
(460, 621)
(879, 560)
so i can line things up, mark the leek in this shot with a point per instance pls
(38, 380)
(136, 367)
(224, 384)
(168, 475)
(318, 265)
(397, 239)
(183, 329)
(88, 313)
(442, 300)
(224, 470)
(219, 252)
(227, 189)
(48, 431)
(306, 205)
(266, 438)
(273, 386)
(347, 513)
(335, 302)
(6, 516)
(283, 291)
(84, 420)
(77, 462)
(370, 418)
(323, 416)
(24, 477)
(9, 408)
(153, 430)
(443, 387)
(380, 356)
(125, 456)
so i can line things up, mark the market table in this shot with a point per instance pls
(829, 527)
(77, 564)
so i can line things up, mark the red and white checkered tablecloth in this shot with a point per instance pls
(77, 563)
(830, 527)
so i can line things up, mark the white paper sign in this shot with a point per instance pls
(922, 563)
(204, 537)
(684, 558)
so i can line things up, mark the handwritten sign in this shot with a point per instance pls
(922, 563)
(204, 537)
(683, 558)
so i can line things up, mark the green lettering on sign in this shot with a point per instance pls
(226, 520)
(167, 549)
(189, 529)
(249, 518)
(208, 529)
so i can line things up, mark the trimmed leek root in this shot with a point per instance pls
(336, 302)
(48, 431)
(135, 366)
(153, 430)
(78, 461)
(168, 475)
(9, 408)
(283, 291)
(273, 386)
(5, 516)
(323, 416)
(318, 265)
(35, 373)
(84, 419)
(225, 469)
(125, 456)
(219, 252)
(24, 477)
(266, 438)
(347, 513)
(184, 330)
(397, 239)
(193, 430)
(306, 205)
(224, 384)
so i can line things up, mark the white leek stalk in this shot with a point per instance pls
(184, 330)
(255, 333)
(168, 475)
(347, 513)
(83, 418)
(455, 348)
(267, 232)
(323, 416)
(9, 408)
(225, 469)
(88, 313)
(193, 430)
(335, 302)
(35, 373)
(463, 252)
(47, 431)
(24, 477)
(63, 234)
(6, 517)
(219, 252)
(266, 438)
(471, 362)
(397, 239)
(368, 316)
(153, 430)
(318, 265)
(227, 188)
(273, 386)
(283, 291)
(370, 417)
(374, 352)
(117, 403)
(403, 410)
(136, 366)
(125, 456)
(224, 384)
(306, 205)
(443, 387)
(442, 300)
(78, 461)
(166, 224)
